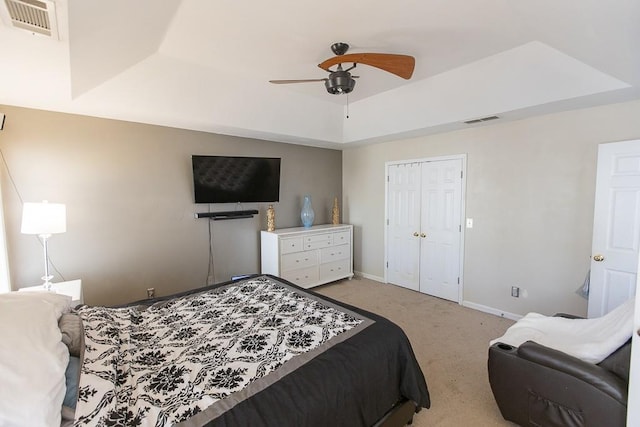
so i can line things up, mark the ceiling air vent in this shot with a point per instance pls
(36, 16)
(483, 119)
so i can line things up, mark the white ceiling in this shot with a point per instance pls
(205, 64)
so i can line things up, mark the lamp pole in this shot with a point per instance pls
(47, 277)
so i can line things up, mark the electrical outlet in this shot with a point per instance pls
(515, 291)
(151, 293)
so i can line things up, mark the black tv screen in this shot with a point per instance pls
(223, 179)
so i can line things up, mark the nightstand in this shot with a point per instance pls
(72, 288)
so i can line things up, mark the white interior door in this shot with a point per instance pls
(441, 228)
(403, 216)
(616, 227)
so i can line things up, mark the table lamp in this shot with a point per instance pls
(44, 219)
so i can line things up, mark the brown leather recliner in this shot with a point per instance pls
(538, 386)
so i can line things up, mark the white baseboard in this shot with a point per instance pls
(469, 304)
(369, 276)
(491, 310)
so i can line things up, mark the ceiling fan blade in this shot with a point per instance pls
(400, 65)
(284, 82)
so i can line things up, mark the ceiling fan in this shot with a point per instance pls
(341, 81)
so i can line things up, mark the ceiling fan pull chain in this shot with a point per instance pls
(347, 105)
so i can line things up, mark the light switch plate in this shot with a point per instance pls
(469, 222)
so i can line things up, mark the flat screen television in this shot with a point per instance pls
(225, 179)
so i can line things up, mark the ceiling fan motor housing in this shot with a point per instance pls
(339, 82)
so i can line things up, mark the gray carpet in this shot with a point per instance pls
(450, 343)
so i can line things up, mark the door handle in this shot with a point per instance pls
(423, 235)
(598, 258)
(416, 234)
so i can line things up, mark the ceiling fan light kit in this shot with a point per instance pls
(341, 81)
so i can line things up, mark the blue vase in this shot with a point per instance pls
(307, 215)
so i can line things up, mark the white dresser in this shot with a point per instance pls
(308, 256)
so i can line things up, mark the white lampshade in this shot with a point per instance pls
(44, 218)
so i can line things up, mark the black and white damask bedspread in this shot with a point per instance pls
(196, 356)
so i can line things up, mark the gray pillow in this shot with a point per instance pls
(72, 331)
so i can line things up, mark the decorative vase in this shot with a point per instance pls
(271, 218)
(307, 215)
(335, 212)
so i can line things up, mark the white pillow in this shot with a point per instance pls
(33, 358)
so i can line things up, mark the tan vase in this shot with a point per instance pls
(271, 218)
(335, 212)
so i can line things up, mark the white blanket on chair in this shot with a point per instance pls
(591, 340)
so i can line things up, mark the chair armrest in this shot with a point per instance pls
(590, 373)
(567, 316)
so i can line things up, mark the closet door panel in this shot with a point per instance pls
(441, 193)
(403, 232)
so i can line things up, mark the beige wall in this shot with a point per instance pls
(530, 191)
(129, 195)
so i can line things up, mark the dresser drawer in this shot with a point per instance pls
(341, 238)
(338, 269)
(293, 244)
(317, 241)
(302, 277)
(299, 260)
(335, 253)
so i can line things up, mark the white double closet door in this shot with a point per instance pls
(424, 231)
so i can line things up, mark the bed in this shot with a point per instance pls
(258, 351)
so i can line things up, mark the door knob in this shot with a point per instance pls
(423, 235)
(598, 258)
(416, 234)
